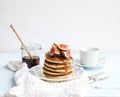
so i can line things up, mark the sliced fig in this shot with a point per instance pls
(66, 53)
(63, 46)
(54, 50)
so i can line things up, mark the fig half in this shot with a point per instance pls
(63, 46)
(66, 53)
(54, 50)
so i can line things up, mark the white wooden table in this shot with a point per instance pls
(107, 88)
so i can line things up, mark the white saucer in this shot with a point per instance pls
(38, 72)
(89, 66)
(101, 64)
(92, 66)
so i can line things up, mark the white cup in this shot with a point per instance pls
(91, 56)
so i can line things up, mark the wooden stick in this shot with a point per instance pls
(30, 55)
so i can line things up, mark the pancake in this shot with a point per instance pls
(60, 76)
(57, 59)
(57, 65)
(53, 73)
(58, 70)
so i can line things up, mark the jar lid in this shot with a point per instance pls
(32, 46)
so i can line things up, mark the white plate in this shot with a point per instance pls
(38, 71)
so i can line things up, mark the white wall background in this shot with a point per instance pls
(80, 23)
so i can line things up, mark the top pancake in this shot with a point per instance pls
(60, 60)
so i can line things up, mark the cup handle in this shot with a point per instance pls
(102, 57)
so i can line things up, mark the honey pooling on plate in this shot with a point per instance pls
(58, 62)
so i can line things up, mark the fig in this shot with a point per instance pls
(66, 53)
(54, 50)
(62, 46)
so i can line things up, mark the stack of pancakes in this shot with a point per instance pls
(57, 66)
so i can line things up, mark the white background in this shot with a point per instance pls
(80, 23)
